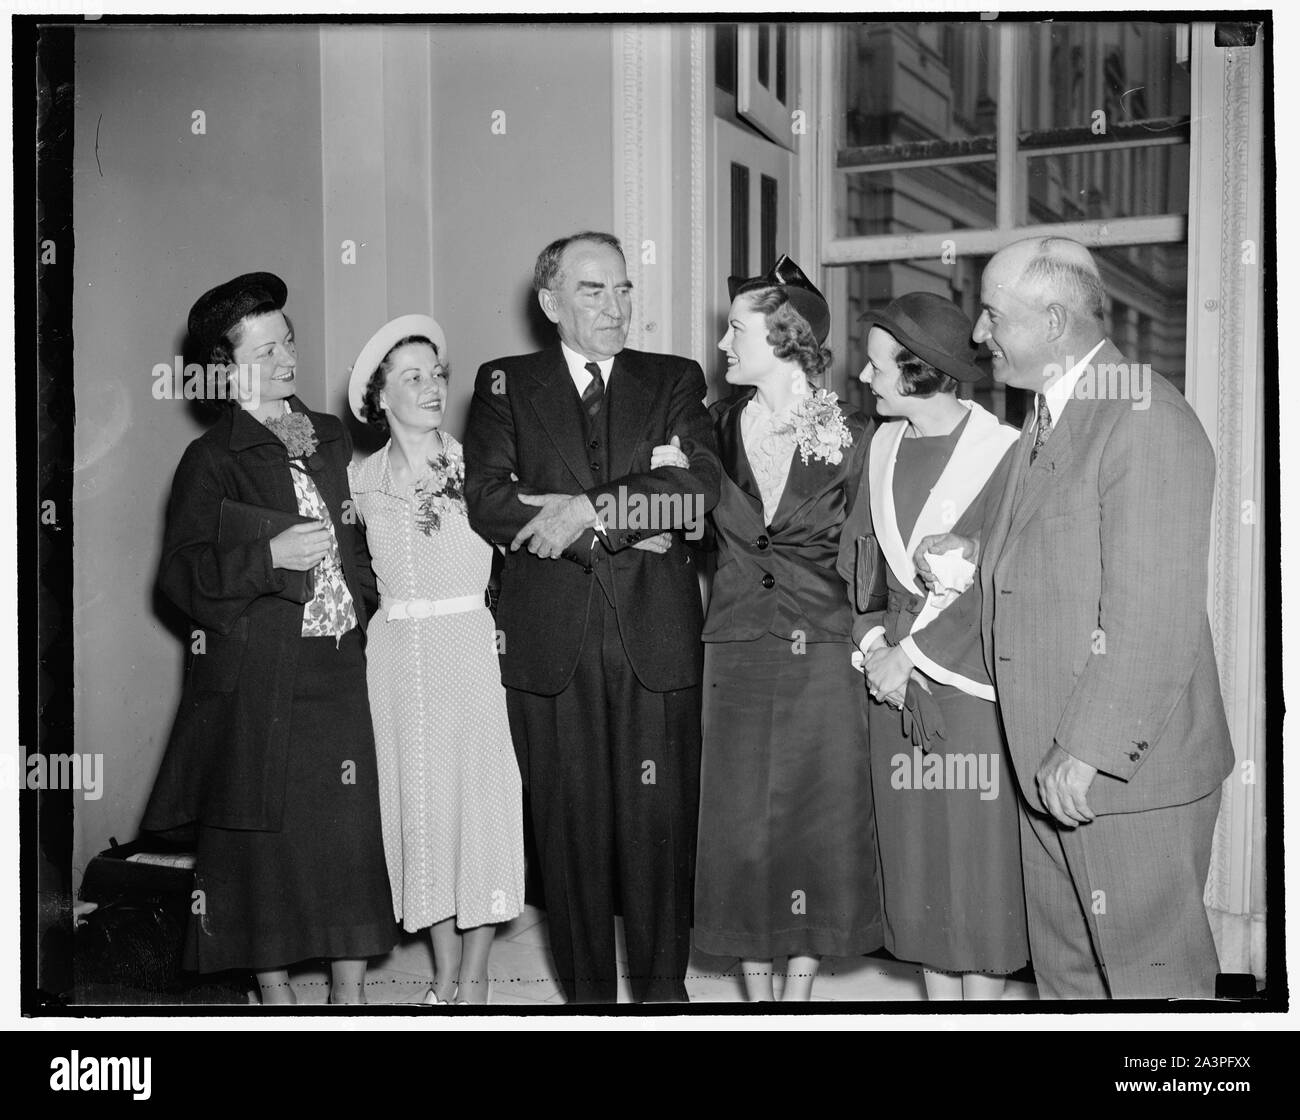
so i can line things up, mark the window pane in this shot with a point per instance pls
(923, 199)
(919, 81)
(1129, 71)
(1118, 183)
(917, 92)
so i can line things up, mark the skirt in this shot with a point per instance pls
(949, 840)
(786, 862)
(317, 888)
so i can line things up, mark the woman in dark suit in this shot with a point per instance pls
(786, 858)
(272, 754)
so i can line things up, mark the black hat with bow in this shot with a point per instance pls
(799, 290)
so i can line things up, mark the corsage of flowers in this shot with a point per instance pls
(440, 491)
(818, 426)
(295, 431)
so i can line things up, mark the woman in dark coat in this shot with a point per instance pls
(272, 755)
(786, 864)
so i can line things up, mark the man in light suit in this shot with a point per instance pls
(600, 614)
(1094, 573)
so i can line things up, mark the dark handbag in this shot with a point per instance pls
(869, 593)
(242, 522)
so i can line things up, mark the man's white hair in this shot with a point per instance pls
(1065, 272)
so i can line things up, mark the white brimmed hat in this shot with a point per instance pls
(382, 341)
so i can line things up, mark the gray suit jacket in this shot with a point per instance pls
(1094, 574)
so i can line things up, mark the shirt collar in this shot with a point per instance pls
(1062, 389)
(578, 366)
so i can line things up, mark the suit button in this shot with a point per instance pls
(1134, 756)
(595, 443)
(769, 581)
(1140, 746)
(762, 542)
(586, 569)
(595, 466)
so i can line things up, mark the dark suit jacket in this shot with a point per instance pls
(225, 762)
(1094, 581)
(526, 421)
(779, 578)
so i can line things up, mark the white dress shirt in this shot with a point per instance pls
(1062, 389)
(578, 371)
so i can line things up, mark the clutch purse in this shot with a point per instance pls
(242, 522)
(869, 593)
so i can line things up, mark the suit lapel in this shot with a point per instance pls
(731, 450)
(556, 403)
(629, 400)
(991, 549)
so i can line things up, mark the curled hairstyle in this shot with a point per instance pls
(547, 273)
(1077, 286)
(789, 333)
(918, 378)
(371, 412)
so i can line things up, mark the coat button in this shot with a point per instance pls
(595, 466)
(586, 569)
(768, 581)
(762, 542)
(1134, 756)
(595, 443)
(1140, 746)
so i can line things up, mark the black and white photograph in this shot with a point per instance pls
(649, 516)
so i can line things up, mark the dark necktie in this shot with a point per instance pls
(594, 393)
(1044, 427)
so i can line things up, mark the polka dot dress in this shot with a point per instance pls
(449, 789)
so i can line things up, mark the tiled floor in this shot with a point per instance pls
(523, 975)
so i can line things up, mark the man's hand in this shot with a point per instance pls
(562, 519)
(888, 670)
(939, 543)
(660, 543)
(669, 455)
(1063, 783)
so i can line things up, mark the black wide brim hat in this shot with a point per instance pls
(219, 309)
(798, 289)
(935, 329)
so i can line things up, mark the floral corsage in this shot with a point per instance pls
(440, 491)
(295, 431)
(818, 427)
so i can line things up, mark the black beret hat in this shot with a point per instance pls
(934, 329)
(216, 311)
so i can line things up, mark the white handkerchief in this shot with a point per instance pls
(953, 572)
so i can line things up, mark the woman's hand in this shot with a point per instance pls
(888, 671)
(939, 543)
(300, 547)
(669, 455)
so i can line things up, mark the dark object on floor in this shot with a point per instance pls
(128, 949)
(1236, 985)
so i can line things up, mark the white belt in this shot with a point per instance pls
(431, 608)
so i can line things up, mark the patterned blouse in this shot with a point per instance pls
(331, 612)
(769, 449)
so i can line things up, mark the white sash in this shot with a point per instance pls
(978, 452)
